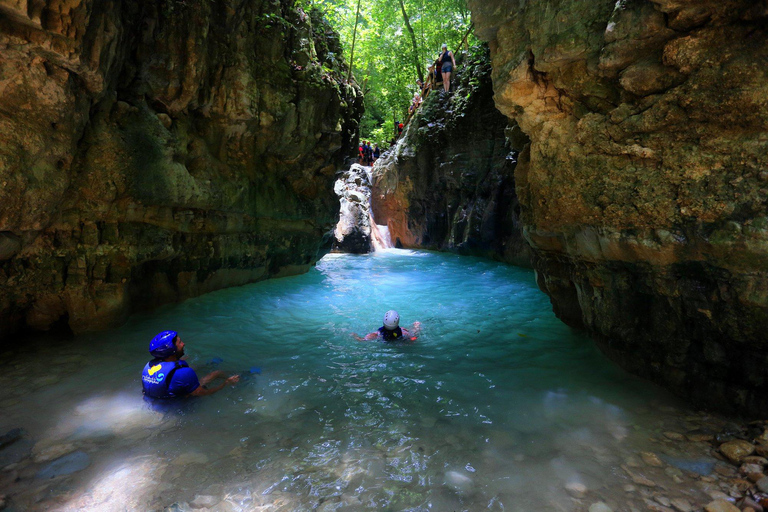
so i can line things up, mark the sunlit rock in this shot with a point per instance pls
(458, 482)
(600, 507)
(735, 451)
(576, 489)
(44, 451)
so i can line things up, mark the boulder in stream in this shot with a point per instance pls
(353, 231)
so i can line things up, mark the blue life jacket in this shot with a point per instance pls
(157, 375)
(388, 335)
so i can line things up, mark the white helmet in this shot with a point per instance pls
(391, 319)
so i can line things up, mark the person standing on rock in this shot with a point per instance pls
(391, 330)
(448, 63)
(167, 376)
(376, 153)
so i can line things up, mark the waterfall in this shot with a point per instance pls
(380, 238)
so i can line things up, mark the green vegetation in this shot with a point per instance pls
(388, 55)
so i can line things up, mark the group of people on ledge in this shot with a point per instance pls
(168, 376)
(439, 73)
(366, 155)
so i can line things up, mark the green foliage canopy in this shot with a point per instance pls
(384, 63)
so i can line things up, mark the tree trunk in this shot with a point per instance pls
(413, 40)
(354, 36)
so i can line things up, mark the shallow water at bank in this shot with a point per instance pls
(496, 406)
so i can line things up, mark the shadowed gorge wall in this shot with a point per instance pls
(152, 151)
(449, 182)
(644, 188)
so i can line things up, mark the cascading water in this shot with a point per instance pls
(380, 238)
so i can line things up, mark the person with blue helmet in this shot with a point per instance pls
(391, 330)
(167, 376)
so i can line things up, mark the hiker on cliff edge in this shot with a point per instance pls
(448, 63)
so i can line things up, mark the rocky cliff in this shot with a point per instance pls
(644, 188)
(156, 150)
(449, 182)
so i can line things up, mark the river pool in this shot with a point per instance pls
(496, 406)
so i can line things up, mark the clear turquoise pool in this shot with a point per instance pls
(496, 406)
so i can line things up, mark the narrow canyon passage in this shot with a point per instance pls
(496, 406)
(188, 165)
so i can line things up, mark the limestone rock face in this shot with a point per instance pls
(353, 231)
(154, 151)
(644, 188)
(449, 184)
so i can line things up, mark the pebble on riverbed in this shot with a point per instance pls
(576, 489)
(749, 484)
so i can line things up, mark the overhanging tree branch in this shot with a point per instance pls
(354, 36)
(413, 40)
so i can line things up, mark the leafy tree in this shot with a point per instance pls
(394, 42)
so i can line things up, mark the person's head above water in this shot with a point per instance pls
(391, 320)
(166, 344)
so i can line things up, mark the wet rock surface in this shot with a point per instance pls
(151, 152)
(353, 231)
(643, 190)
(449, 182)
(644, 479)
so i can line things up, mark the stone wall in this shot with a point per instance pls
(644, 188)
(449, 182)
(152, 151)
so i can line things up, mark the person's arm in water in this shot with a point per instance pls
(203, 391)
(368, 337)
(414, 332)
(212, 376)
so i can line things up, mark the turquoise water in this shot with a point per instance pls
(496, 406)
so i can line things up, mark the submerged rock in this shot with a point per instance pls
(10, 437)
(735, 451)
(721, 506)
(65, 465)
(458, 482)
(576, 489)
(600, 507)
(15, 452)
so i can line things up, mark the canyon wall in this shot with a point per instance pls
(644, 188)
(152, 151)
(449, 182)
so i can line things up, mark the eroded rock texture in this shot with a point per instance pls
(449, 183)
(353, 231)
(644, 188)
(156, 150)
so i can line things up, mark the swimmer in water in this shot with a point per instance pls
(391, 330)
(167, 376)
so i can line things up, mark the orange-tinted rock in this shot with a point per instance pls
(448, 184)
